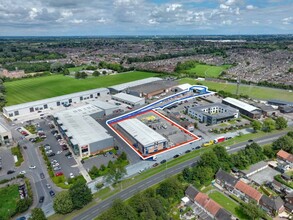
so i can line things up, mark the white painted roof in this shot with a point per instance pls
(141, 132)
(124, 86)
(129, 98)
(184, 86)
(240, 104)
(104, 105)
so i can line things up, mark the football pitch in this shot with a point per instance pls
(26, 90)
(256, 92)
(204, 70)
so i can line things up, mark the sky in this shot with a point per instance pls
(144, 17)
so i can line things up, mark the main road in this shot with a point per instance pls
(96, 210)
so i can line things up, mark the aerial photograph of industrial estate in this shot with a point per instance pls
(146, 109)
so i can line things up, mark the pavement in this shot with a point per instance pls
(124, 194)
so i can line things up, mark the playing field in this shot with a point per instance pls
(204, 70)
(8, 198)
(27, 90)
(252, 91)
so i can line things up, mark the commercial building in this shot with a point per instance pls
(107, 107)
(44, 104)
(82, 132)
(213, 113)
(279, 102)
(5, 135)
(244, 108)
(129, 99)
(124, 86)
(155, 88)
(142, 137)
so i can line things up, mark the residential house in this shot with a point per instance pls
(289, 202)
(246, 192)
(271, 206)
(285, 156)
(225, 180)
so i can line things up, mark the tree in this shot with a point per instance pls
(38, 214)
(268, 151)
(96, 73)
(66, 72)
(252, 210)
(80, 194)
(63, 203)
(269, 125)
(170, 188)
(116, 173)
(285, 143)
(23, 204)
(281, 123)
(290, 134)
(256, 125)
(94, 172)
(57, 67)
(123, 211)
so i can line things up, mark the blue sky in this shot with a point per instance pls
(144, 17)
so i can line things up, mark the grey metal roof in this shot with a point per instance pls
(3, 129)
(240, 104)
(103, 105)
(280, 102)
(141, 132)
(129, 98)
(191, 192)
(229, 109)
(53, 99)
(153, 86)
(124, 86)
(222, 214)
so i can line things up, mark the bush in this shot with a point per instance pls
(16, 151)
(99, 185)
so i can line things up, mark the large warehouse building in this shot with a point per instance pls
(124, 86)
(31, 107)
(142, 137)
(244, 108)
(82, 132)
(128, 99)
(213, 113)
(107, 107)
(149, 90)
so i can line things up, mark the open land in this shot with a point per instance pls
(252, 91)
(8, 197)
(204, 70)
(27, 90)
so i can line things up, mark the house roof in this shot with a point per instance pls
(275, 204)
(191, 192)
(222, 214)
(201, 199)
(212, 207)
(285, 155)
(248, 190)
(226, 177)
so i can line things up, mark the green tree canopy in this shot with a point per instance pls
(80, 194)
(256, 125)
(62, 203)
(38, 214)
(281, 123)
(269, 125)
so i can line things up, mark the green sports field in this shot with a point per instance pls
(27, 90)
(252, 91)
(204, 70)
(8, 198)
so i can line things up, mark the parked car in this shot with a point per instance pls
(32, 140)
(59, 152)
(25, 147)
(47, 148)
(53, 161)
(49, 151)
(51, 154)
(188, 151)
(163, 161)
(42, 175)
(155, 164)
(57, 168)
(42, 198)
(55, 165)
(250, 141)
(54, 132)
(71, 175)
(175, 156)
(22, 172)
(32, 167)
(48, 186)
(58, 174)
(68, 154)
(10, 171)
(51, 192)
(64, 147)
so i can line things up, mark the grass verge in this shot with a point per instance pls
(8, 200)
(16, 151)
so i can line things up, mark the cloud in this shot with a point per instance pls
(250, 7)
(288, 20)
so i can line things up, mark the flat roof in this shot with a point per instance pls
(229, 109)
(141, 132)
(87, 109)
(255, 167)
(240, 104)
(127, 97)
(154, 86)
(104, 105)
(280, 102)
(184, 86)
(3, 129)
(124, 86)
(53, 99)
(83, 128)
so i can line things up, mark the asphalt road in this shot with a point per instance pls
(132, 190)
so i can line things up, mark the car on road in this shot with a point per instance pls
(48, 186)
(58, 174)
(59, 152)
(163, 161)
(32, 167)
(250, 141)
(155, 164)
(21, 218)
(71, 175)
(32, 140)
(22, 172)
(42, 198)
(42, 175)
(175, 156)
(51, 192)
(10, 171)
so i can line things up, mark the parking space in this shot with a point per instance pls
(67, 164)
(7, 160)
(98, 161)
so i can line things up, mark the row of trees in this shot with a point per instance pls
(112, 66)
(2, 94)
(269, 124)
(76, 197)
(152, 204)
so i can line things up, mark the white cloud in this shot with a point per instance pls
(33, 13)
(227, 22)
(288, 20)
(250, 7)
(173, 7)
(77, 21)
(223, 6)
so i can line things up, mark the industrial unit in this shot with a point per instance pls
(124, 86)
(5, 135)
(129, 99)
(107, 107)
(244, 108)
(30, 107)
(213, 113)
(82, 132)
(149, 90)
(143, 138)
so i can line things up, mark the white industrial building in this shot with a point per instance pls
(31, 107)
(124, 86)
(107, 107)
(142, 137)
(5, 135)
(129, 99)
(82, 132)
